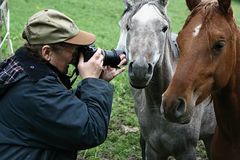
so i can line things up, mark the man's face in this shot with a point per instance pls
(63, 58)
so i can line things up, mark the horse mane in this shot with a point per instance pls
(209, 7)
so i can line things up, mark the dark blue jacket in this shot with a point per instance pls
(41, 119)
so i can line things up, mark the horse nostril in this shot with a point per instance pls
(130, 70)
(131, 64)
(179, 108)
(150, 68)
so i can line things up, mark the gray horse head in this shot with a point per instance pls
(144, 30)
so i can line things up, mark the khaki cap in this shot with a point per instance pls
(50, 26)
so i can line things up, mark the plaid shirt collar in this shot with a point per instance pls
(9, 70)
(23, 61)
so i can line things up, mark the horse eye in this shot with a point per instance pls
(218, 46)
(165, 28)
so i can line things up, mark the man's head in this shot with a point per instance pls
(50, 26)
(54, 37)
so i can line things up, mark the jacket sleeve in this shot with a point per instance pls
(68, 120)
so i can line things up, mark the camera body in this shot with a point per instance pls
(111, 58)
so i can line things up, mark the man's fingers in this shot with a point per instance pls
(118, 71)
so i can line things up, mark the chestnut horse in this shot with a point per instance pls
(209, 64)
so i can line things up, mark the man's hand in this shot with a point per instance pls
(109, 73)
(93, 67)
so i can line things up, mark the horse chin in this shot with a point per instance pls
(185, 119)
(187, 116)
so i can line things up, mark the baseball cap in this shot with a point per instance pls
(51, 26)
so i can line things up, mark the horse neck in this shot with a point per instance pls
(227, 102)
(163, 73)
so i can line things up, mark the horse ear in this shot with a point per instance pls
(192, 4)
(163, 2)
(128, 3)
(224, 5)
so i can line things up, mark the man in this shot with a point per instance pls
(39, 117)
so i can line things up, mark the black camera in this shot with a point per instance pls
(111, 58)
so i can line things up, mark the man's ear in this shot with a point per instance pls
(46, 52)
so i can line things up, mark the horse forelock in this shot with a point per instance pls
(208, 10)
(205, 7)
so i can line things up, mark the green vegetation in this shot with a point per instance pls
(101, 18)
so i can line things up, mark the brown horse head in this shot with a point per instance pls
(207, 44)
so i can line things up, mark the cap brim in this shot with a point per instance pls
(82, 38)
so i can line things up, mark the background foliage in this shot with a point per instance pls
(101, 18)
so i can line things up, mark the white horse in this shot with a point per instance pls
(146, 38)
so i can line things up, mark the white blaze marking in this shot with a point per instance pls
(147, 13)
(196, 30)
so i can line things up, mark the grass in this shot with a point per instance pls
(178, 11)
(101, 18)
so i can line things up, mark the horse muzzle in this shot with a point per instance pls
(140, 74)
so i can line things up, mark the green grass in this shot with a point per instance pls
(178, 11)
(101, 18)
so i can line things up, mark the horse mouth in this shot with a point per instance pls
(181, 120)
(138, 83)
(138, 86)
(176, 110)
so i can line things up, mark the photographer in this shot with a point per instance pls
(39, 117)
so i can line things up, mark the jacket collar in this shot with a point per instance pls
(37, 68)
(33, 66)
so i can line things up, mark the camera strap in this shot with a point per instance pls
(75, 72)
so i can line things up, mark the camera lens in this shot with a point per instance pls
(111, 58)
